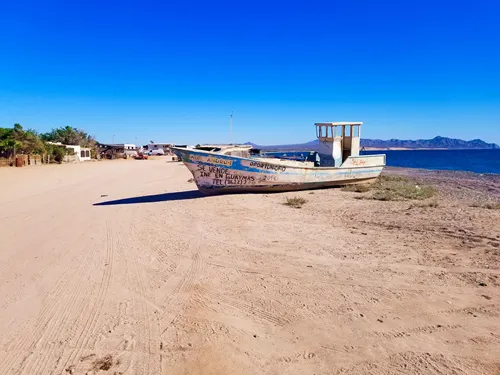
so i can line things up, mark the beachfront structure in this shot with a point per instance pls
(130, 149)
(80, 154)
(117, 150)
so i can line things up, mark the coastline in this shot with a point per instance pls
(457, 185)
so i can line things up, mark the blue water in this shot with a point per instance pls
(479, 161)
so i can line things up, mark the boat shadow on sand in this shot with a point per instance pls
(165, 197)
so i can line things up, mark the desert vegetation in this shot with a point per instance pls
(489, 205)
(17, 140)
(393, 188)
(295, 202)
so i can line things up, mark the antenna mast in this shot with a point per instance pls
(231, 128)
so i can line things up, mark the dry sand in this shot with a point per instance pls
(158, 280)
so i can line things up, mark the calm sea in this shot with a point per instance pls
(479, 161)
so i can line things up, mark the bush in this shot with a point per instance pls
(384, 178)
(58, 154)
(357, 188)
(429, 204)
(400, 192)
(489, 205)
(395, 188)
(295, 202)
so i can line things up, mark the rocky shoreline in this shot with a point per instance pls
(468, 186)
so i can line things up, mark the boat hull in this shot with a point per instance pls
(216, 173)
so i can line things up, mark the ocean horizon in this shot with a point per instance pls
(478, 161)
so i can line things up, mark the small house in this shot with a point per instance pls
(80, 154)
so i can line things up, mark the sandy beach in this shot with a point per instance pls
(122, 267)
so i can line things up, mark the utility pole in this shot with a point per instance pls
(231, 128)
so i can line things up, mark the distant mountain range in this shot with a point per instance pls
(435, 143)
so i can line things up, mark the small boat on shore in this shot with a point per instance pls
(233, 169)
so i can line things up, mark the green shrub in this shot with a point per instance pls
(357, 188)
(295, 202)
(430, 204)
(395, 188)
(489, 205)
(58, 154)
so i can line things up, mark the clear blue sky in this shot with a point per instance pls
(173, 70)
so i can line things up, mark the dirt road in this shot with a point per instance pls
(122, 268)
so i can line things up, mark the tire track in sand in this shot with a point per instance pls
(93, 316)
(137, 251)
(60, 319)
(147, 321)
(245, 307)
(181, 294)
(145, 334)
(49, 317)
(161, 256)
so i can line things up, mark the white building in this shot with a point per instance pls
(130, 149)
(80, 153)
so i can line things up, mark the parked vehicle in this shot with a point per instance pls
(159, 151)
(141, 156)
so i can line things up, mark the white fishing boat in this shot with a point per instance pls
(231, 168)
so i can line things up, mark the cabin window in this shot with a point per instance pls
(348, 131)
(87, 154)
(355, 131)
(82, 154)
